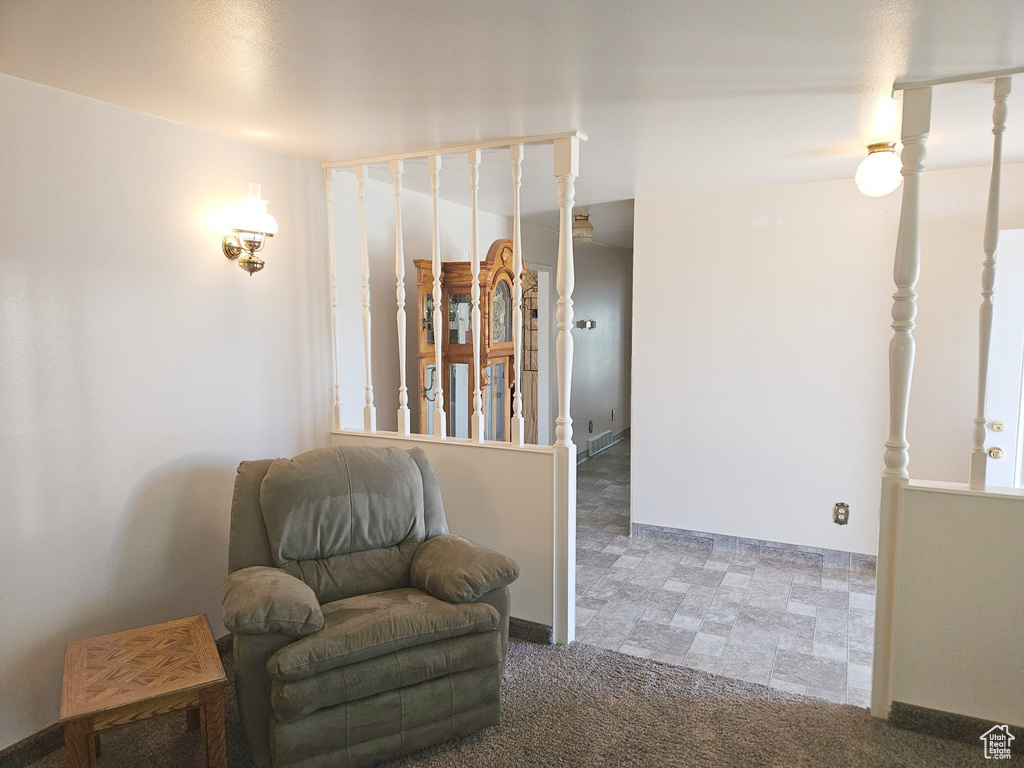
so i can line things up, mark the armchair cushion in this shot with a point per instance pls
(259, 600)
(344, 520)
(292, 699)
(368, 626)
(455, 569)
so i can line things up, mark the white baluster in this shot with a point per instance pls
(332, 261)
(518, 429)
(477, 422)
(979, 457)
(440, 430)
(369, 411)
(397, 167)
(566, 169)
(916, 124)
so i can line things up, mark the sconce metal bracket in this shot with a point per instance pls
(232, 247)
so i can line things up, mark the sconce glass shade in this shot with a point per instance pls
(879, 173)
(582, 229)
(252, 215)
(252, 225)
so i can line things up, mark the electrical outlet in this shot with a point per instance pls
(841, 513)
(591, 427)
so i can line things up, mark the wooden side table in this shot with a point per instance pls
(129, 676)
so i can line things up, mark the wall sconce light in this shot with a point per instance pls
(879, 173)
(582, 229)
(252, 226)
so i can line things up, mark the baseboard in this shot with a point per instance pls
(946, 725)
(583, 455)
(741, 544)
(531, 631)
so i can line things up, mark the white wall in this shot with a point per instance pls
(138, 367)
(957, 609)
(760, 335)
(601, 368)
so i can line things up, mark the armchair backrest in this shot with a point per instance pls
(344, 520)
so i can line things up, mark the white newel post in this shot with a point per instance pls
(369, 411)
(916, 125)
(404, 428)
(477, 421)
(566, 170)
(332, 263)
(435, 187)
(979, 456)
(518, 427)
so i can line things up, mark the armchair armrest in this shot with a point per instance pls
(457, 570)
(259, 600)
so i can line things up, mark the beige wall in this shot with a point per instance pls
(138, 366)
(760, 335)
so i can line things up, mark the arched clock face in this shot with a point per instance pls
(501, 326)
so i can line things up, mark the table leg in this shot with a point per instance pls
(79, 751)
(213, 727)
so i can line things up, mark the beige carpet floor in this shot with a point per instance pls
(587, 707)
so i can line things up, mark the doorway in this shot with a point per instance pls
(1005, 433)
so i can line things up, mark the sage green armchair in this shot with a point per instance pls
(362, 629)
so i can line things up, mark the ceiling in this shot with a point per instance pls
(676, 97)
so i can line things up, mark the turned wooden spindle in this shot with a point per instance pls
(397, 168)
(979, 456)
(435, 187)
(369, 411)
(477, 420)
(518, 427)
(332, 263)
(566, 170)
(916, 123)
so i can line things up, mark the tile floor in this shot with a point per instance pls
(798, 621)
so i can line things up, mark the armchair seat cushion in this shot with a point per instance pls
(368, 626)
(292, 699)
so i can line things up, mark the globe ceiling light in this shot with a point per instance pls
(879, 173)
(582, 229)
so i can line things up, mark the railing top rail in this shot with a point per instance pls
(903, 84)
(546, 138)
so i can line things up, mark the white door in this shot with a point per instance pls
(1006, 363)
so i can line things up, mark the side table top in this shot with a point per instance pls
(110, 671)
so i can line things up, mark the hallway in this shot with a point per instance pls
(796, 619)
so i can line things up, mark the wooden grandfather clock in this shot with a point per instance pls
(497, 347)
